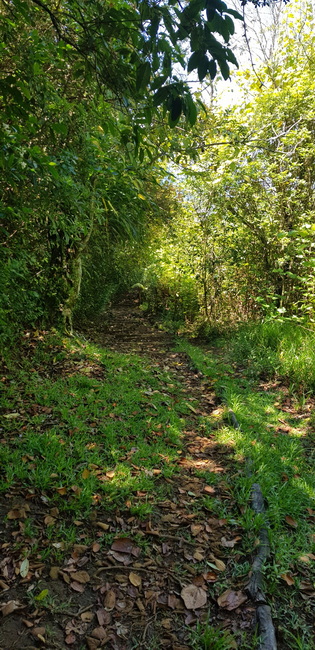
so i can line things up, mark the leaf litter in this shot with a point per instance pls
(125, 578)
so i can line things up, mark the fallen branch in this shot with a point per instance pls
(255, 587)
(267, 637)
(232, 418)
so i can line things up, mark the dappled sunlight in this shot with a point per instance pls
(269, 442)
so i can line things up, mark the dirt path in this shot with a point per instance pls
(156, 577)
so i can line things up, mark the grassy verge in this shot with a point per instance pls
(276, 431)
(277, 349)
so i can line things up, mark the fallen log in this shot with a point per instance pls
(267, 639)
(267, 636)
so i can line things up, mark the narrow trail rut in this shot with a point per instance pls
(191, 545)
(152, 579)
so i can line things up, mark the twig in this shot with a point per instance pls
(123, 568)
(135, 568)
(174, 537)
(153, 618)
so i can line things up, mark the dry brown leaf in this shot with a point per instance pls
(231, 599)
(230, 543)
(193, 597)
(10, 607)
(195, 529)
(219, 564)
(76, 489)
(61, 490)
(92, 644)
(291, 522)
(49, 520)
(122, 545)
(124, 558)
(140, 605)
(103, 617)
(173, 602)
(210, 576)
(99, 633)
(27, 623)
(306, 585)
(96, 547)
(70, 638)
(166, 623)
(39, 632)
(77, 586)
(18, 513)
(288, 579)
(110, 600)
(87, 617)
(79, 549)
(65, 576)
(4, 586)
(81, 576)
(101, 525)
(209, 489)
(198, 555)
(135, 579)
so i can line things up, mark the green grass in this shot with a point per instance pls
(276, 349)
(83, 434)
(273, 454)
(89, 428)
(206, 637)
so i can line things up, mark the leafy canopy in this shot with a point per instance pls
(143, 50)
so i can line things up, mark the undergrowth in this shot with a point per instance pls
(276, 349)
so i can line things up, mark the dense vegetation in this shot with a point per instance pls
(242, 247)
(120, 171)
(85, 91)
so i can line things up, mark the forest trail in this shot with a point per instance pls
(138, 581)
(124, 328)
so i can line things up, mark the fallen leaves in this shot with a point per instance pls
(135, 579)
(209, 489)
(19, 512)
(24, 568)
(194, 597)
(102, 525)
(81, 576)
(231, 542)
(110, 600)
(10, 607)
(287, 578)
(307, 558)
(291, 522)
(129, 583)
(231, 599)
(54, 572)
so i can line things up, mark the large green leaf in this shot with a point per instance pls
(203, 67)
(143, 75)
(195, 60)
